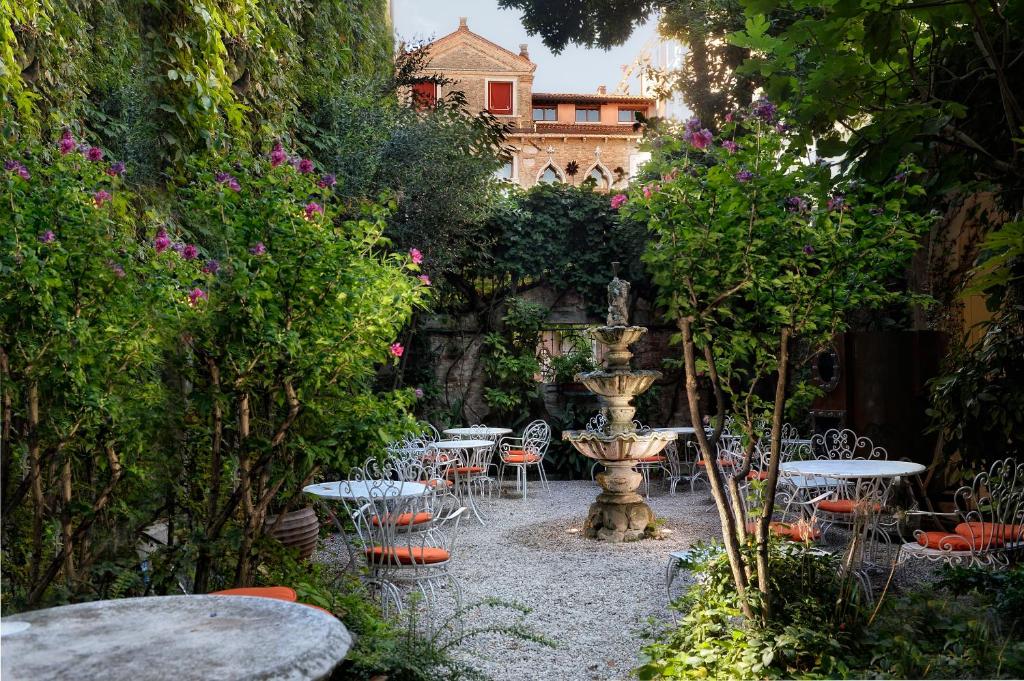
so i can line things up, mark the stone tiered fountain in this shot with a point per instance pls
(619, 514)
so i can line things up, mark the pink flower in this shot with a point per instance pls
(190, 252)
(729, 117)
(116, 269)
(161, 243)
(94, 154)
(277, 155)
(617, 201)
(311, 210)
(100, 197)
(648, 192)
(425, 279)
(415, 256)
(47, 237)
(700, 139)
(305, 166)
(258, 249)
(23, 173)
(67, 143)
(195, 295)
(396, 349)
(730, 146)
(418, 393)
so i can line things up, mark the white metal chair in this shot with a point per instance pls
(525, 451)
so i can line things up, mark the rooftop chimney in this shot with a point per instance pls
(524, 50)
(462, 24)
(602, 89)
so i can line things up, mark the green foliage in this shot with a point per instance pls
(510, 361)
(750, 243)
(87, 309)
(934, 632)
(579, 359)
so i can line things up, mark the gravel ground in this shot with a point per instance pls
(592, 599)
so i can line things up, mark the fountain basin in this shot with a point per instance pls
(624, 447)
(617, 335)
(618, 383)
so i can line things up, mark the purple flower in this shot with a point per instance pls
(116, 269)
(700, 139)
(899, 177)
(837, 202)
(258, 249)
(618, 201)
(277, 155)
(11, 165)
(808, 249)
(115, 169)
(418, 393)
(326, 181)
(693, 124)
(730, 146)
(190, 252)
(312, 209)
(305, 166)
(178, 247)
(795, 204)
(744, 176)
(229, 180)
(781, 127)
(161, 243)
(195, 295)
(17, 168)
(211, 267)
(765, 110)
(67, 143)
(101, 197)
(424, 279)
(47, 237)
(94, 154)
(23, 173)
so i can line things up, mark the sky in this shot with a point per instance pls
(576, 69)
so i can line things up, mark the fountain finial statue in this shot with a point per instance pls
(618, 299)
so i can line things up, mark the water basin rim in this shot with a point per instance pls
(603, 373)
(582, 435)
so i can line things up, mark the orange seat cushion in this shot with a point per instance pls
(520, 456)
(435, 482)
(757, 475)
(791, 531)
(842, 506)
(657, 458)
(983, 532)
(405, 555)
(280, 593)
(405, 519)
(466, 470)
(724, 463)
(943, 541)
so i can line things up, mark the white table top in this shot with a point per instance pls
(484, 430)
(363, 489)
(175, 637)
(855, 468)
(460, 444)
(679, 430)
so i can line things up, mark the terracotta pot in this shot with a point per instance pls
(298, 529)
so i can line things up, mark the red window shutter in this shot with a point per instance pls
(499, 98)
(424, 94)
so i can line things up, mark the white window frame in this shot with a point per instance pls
(553, 166)
(609, 178)
(514, 179)
(515, 95)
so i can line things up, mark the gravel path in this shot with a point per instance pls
(593, 600)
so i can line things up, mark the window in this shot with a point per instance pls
(588, 114)
(506, 172)
(630, 115)
(499, 98)
(545, 113)
(549, 176)
(600, 179)
(424, 94)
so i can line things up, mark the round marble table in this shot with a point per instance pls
(459, 444)
(175, 637)
(364, 489)
(851, 469)
(477, 431)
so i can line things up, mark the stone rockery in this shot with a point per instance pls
(613, 439)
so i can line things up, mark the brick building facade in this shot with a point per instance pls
(556, 137)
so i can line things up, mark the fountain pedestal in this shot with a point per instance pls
(619, 513)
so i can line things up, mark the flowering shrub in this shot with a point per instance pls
(87, 309)
(302, 305)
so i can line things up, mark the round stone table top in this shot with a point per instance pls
(459, 444)
(852, 468)
(470, 431)
(174, 638)
(678, 430)
(365, 489)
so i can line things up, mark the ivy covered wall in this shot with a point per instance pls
(154, 81)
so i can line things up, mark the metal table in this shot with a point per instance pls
(478, 457)
(477, 431)
(174, 637)
(672, 454)
(363, 489)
